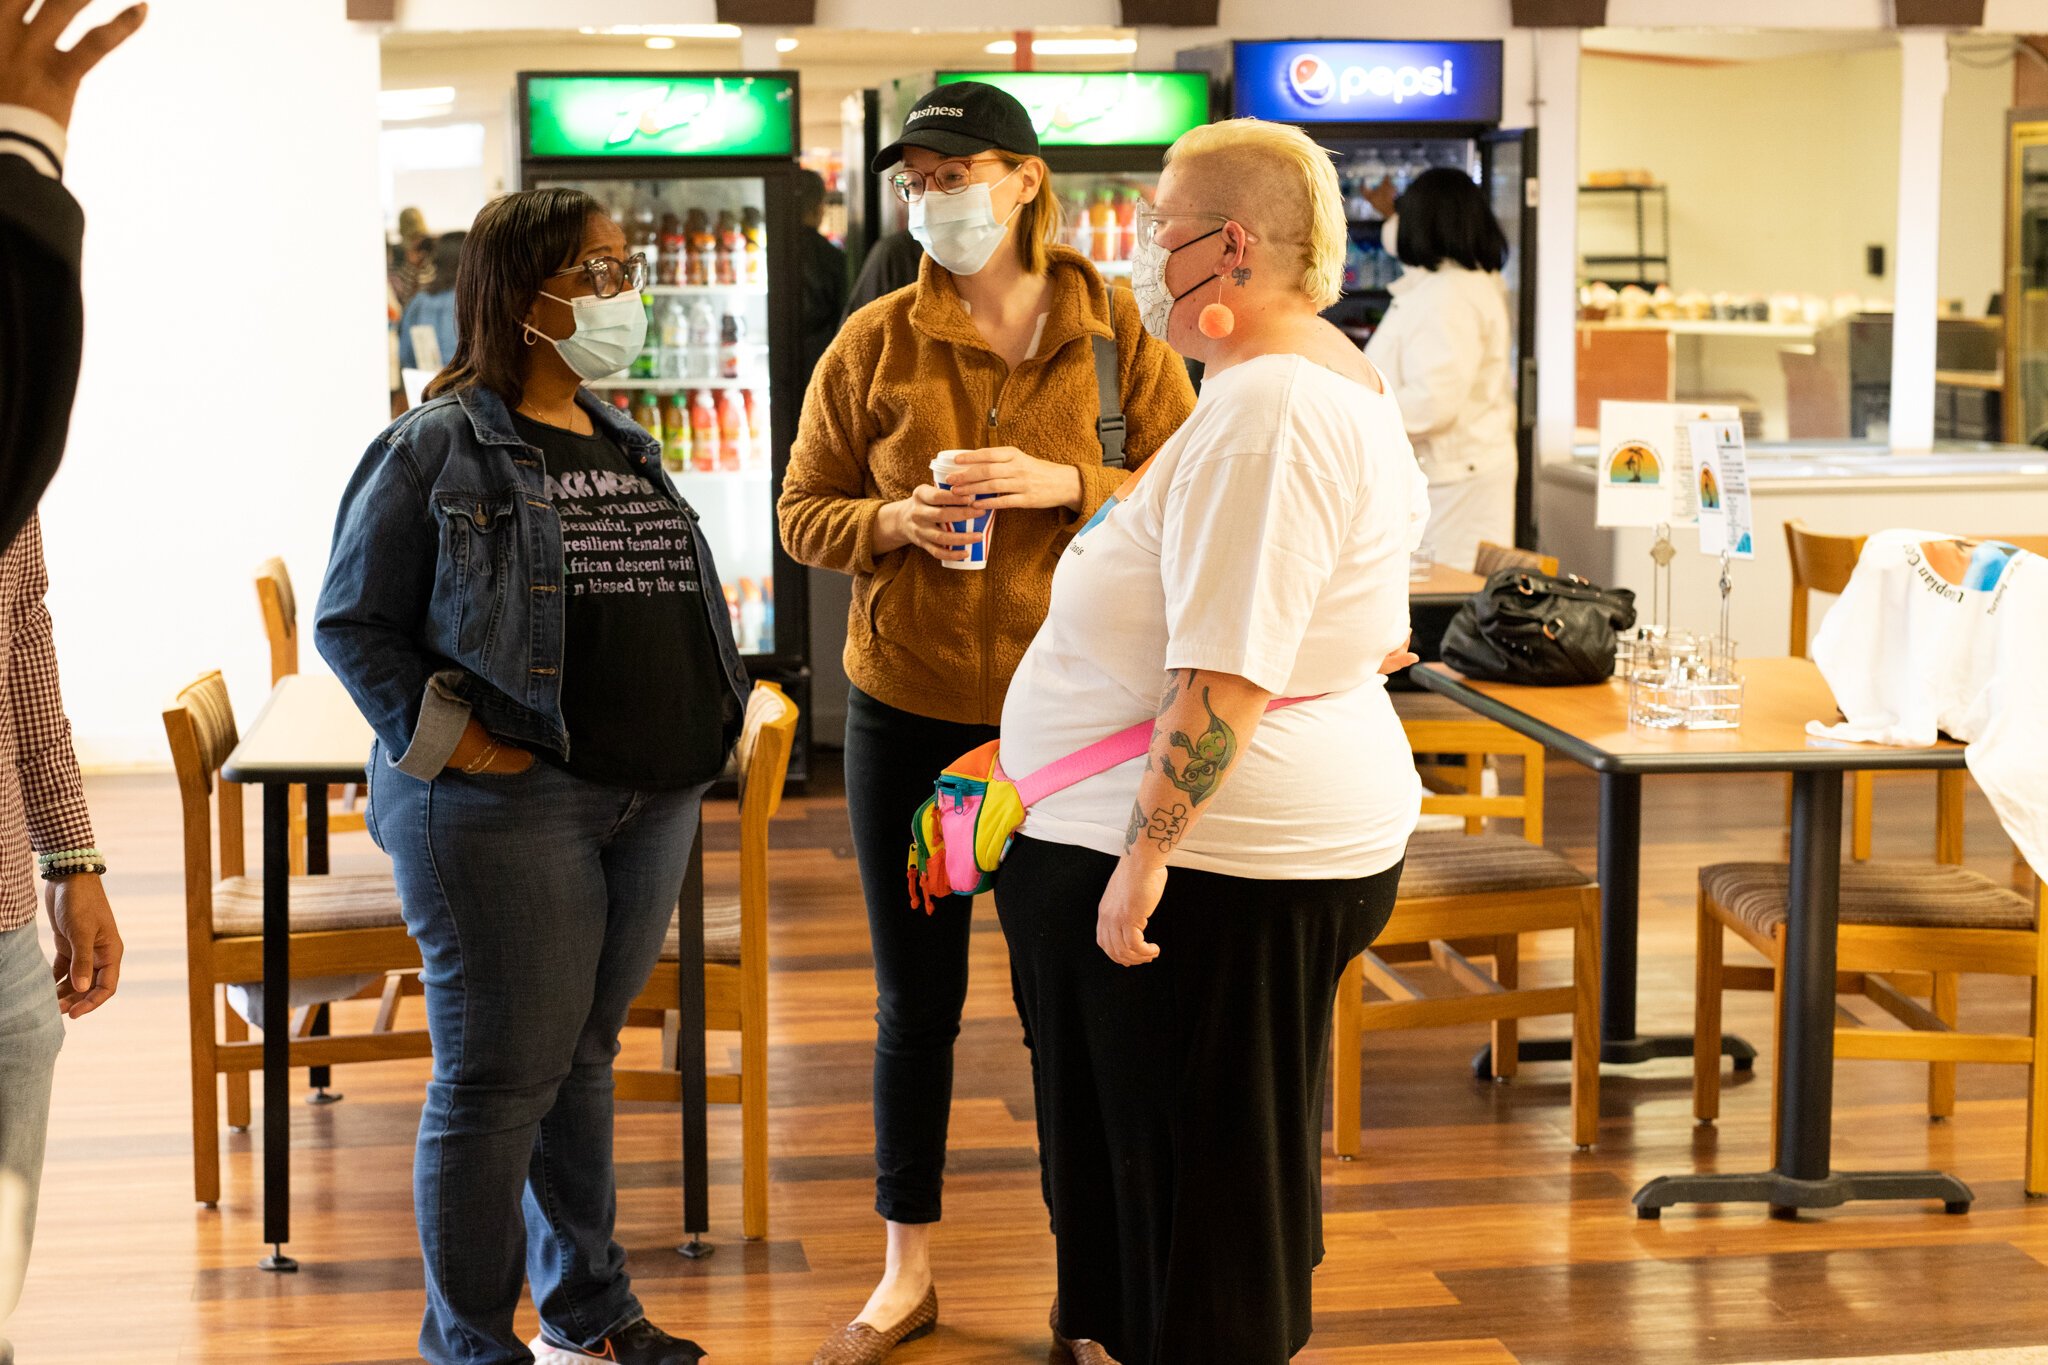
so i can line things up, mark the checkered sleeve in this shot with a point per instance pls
(52, 793)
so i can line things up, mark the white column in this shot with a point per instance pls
(757, 48)
(1916, 271)
(1556, 96)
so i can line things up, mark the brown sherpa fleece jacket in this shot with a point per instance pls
(909, 376)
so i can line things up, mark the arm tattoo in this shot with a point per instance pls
(1164, 828)
(1208, 755)
(1136, 828)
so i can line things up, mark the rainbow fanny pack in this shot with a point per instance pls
(959, 836)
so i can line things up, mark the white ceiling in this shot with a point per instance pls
(1732, 45)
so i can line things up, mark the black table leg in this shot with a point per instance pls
(319, 1077)
(690, 1051)
(1620, 871)
(277, 1028)
(1802, 1177)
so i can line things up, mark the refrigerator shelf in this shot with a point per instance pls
(678, 385)
(704, 290)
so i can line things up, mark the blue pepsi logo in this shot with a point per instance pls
(1314, 79)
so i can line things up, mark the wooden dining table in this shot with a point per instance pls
(1590, 726)
(1432, 601)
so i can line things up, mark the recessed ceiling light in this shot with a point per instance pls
(660, 44)
(1066, 47)
(700, 32)
(785, 44)
(1004, 47)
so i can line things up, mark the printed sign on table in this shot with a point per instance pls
(1645, 468)
(1721, 487)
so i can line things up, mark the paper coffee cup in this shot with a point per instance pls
(943, 465)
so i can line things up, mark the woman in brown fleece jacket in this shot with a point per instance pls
(993, 356)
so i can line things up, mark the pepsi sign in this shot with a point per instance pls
(1367, 82)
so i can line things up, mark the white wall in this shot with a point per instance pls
(1973, 170)
(234, 349)
(1780, 172)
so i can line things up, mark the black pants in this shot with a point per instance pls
(1180, 1103)
(892, 760)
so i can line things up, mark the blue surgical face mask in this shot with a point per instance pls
(609, 333)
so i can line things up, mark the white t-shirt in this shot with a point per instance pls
(1268, 538)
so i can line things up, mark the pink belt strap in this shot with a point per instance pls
(1102, 755)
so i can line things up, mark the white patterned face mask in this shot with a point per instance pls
(1148, 281)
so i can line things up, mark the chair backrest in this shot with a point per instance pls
(1483, 739)
(765, 744)
(201, 729)
(1821, 562)
(1492, 558)
(280, 607)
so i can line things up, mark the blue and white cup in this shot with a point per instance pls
(943, 465)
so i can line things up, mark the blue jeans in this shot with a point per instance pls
(539, 903)
(31, 1032)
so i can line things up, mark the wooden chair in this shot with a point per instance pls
(1476, 895)
(1492, 558)
(341, 925)
(1907, 929)
(280, 607)
(735, 960)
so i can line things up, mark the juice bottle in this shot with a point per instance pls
(1102, 227)
(671, 271)
(1080, 236)
(675, 337)
(767, 615)
(703, 354)
(703, 433)
(732, 332)
(754, 242)
(726, 248)
(643, 234)
(623, 401)
(647, 364)
(732, 430)
(732, 607)
(757, 426)
(1126, 225)
(646, 411)
(752, 614)
(697, 237)
(675, 434)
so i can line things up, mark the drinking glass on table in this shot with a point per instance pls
(1421, 562)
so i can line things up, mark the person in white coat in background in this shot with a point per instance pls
(1445, 347)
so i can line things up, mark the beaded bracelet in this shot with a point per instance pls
(71, 862)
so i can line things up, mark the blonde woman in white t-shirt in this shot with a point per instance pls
(1177, 925)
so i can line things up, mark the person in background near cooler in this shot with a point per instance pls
(1445, 346)
(824, 274)
(892, 263)
(434, 305)
(1177, 925)
(990, 354)
(550, 701)
(410, 259)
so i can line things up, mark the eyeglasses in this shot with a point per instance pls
(1149, 219)
(948, 177)
(609, 275)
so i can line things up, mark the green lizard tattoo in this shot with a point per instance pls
(1208, 754)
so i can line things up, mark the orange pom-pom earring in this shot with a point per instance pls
(1216, 321)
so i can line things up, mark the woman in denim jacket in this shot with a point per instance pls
(526, 612)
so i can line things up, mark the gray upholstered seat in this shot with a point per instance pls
(1901, 895)
(1473, 864)
(318, 904)
(721, 933)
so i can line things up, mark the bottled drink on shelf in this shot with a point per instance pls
(767, 614)
(1102, 227)
(725, 268)
(757, 428)
(1080, 236)
(647, 364)
(732, 431)
(622, 399)
(647, 412)
(703, 340)
(675, 434)
(752, 616)
(732, 607)
(703, 433)
(732, 334)
(1126, 225)
(754, 243)
(643, 233)
(671, 271)
(697, 234)
(674, 317)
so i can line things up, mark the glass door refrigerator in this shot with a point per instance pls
(1104, 134)
(699, 170)
(1390, 111)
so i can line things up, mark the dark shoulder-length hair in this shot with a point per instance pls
(514, 245)
(1445, 217)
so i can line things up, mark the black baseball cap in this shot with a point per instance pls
(960, 119)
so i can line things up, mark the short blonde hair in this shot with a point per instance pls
(1040, 221)
(1273, 179)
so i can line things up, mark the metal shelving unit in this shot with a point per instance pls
(1646, 268)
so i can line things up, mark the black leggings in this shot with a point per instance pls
(1180, 1103)
(892, 759)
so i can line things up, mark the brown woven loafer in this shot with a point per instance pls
(1080, 1352)
(859, 1344)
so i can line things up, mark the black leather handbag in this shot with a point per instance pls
(1532, 628)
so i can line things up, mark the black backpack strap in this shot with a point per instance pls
(1109, 427)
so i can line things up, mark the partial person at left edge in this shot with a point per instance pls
(42, 235)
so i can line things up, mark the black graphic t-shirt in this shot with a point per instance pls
(642, 694)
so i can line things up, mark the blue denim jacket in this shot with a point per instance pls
(443, 597)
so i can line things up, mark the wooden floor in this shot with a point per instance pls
(1469, 1232)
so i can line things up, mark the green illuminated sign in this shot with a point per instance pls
(1104, 108)
(660, 116)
